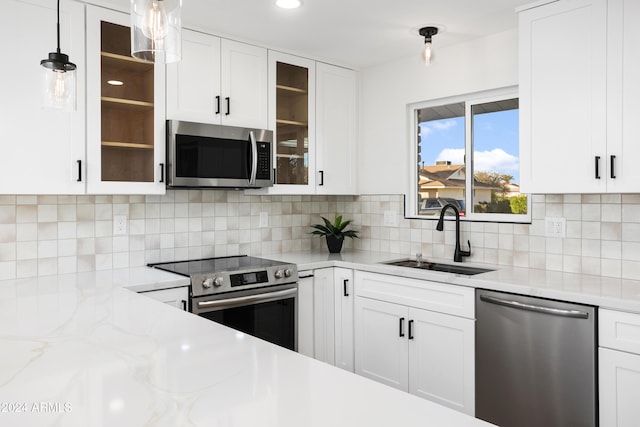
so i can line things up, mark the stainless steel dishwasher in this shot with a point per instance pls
(535, 361)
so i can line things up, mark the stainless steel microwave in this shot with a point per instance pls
(214, 156)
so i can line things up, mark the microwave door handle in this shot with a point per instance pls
(254, 158)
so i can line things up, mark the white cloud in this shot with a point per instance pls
(454, 155)
(436, 126)
(495, 160)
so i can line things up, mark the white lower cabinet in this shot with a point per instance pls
(325, 316)
(175, 297)
(305, 313)
(619, 369)
(402, 344)
(343, 315)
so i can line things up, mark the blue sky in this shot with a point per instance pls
(495, 142)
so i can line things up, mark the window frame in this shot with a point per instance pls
(411, 199)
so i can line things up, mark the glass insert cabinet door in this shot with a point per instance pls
(127, 101)
(292, 124)
(125, 110)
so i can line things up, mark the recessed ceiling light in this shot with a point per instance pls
(115, 82)
(288, 4)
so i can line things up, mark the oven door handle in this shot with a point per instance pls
(249, 299)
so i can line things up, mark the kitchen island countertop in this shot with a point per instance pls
(82, 350)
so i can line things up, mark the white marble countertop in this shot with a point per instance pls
(605, 292)
(81, 350)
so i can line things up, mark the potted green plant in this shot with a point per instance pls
(334, 232)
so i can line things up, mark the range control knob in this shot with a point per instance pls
(218, 281)
(207, 283)
(279, 274)
(287, 272)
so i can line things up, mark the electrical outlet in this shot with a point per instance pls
(390, 218)
(555, 227)
(264, 219)
(120, 224)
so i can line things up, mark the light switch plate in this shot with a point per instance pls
(555, 227)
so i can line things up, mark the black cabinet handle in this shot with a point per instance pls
(401, 327)
(597, 167)
(410, 329)
(79, 171)
(344, 286)
(161, 172)
(184, 305)
(613, 167)
(321, 178)
(218, 104)
(228, 106)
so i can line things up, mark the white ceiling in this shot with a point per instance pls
(356, 33)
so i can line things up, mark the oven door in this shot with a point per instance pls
(268, 313)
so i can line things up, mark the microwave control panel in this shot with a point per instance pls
(264, 160)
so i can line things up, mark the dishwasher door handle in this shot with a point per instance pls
(536, 308)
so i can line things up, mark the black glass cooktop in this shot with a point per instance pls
(216, 265)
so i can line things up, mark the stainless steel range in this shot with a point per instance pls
(254, 295)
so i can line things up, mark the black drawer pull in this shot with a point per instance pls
(401, 327)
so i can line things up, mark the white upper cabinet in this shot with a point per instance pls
(623, 91)
(292, 103)
(218, 81)
(578, 97)
(336, 129)
(193, 84)
(313, 110)
(43, 151)
(125, 122)
(563, 97)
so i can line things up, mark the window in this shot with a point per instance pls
(466, 154)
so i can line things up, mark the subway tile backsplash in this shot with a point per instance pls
(44, 235)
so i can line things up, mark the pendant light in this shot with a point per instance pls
(156, 30)
(59, 78)
(427, 52)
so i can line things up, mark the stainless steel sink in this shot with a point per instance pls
(436, 266)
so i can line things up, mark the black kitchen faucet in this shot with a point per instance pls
(458, 254)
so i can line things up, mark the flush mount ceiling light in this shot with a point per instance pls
(427, 52)
(288, 4)
(59, 78)
(156, 29)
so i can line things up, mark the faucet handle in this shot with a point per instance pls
(466, 253)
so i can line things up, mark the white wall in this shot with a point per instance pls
(387, 89)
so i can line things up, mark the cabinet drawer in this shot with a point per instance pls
(619, 330)
(439, 297)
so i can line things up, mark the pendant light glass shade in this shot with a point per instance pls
(58, 78)
(59, 91)
(156, 29)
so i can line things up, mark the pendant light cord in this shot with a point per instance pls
(58, 27)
